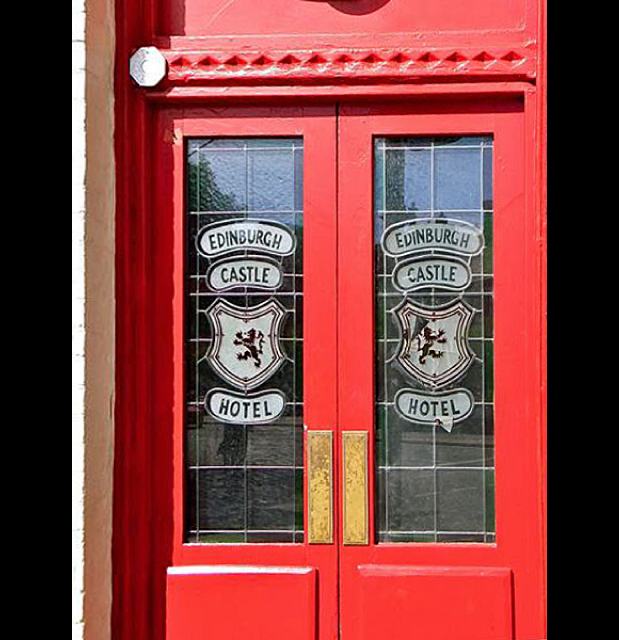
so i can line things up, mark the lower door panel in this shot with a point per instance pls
(442, 603)
(240, 602)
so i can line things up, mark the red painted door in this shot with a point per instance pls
(246, 210)
(347, 311)
(440, 346)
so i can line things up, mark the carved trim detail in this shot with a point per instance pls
(347, 65)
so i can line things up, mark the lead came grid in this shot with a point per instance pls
(434, 486)
(244, 483)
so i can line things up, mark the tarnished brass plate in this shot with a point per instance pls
(355, 487)
(320, 487)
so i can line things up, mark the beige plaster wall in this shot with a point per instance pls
(93, 316)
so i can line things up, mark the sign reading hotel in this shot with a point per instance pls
(441, 409)
(236, 408)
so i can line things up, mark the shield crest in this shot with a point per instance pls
(245, 349)
(434, 347)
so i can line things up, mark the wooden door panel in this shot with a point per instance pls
(240, 602)
(443, 603)
(394, 571)
(249, 589)
(364, 589)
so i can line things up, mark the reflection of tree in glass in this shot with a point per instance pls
(394, 181)
(298, 254)
(444, 140)
(203, 191)
(233, 446)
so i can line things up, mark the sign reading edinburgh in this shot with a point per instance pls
(220, 238)
(453, 236)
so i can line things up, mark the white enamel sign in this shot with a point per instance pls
(254, 408)
(257, 235)
(429, 233)
(441, 409)
(245, 349)
(147, 66)
(252, 271)
(434, 347)
(447, 273)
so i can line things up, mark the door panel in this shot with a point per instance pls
(431, 524)
(467, 603)
(356, 500)
(253, 366)
(242, 602)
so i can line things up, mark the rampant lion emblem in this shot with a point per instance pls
(253, 341)
(245, 349)
(434, 347)
(426, 339)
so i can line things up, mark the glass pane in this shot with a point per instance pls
(244, 341)
(434, 339)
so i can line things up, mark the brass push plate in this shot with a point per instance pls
(355, 487)
(320, 487)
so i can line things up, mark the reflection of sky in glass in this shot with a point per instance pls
(417, 179)
(457, 178)
(441, 178)
(228, 174)
(271, 180)
(251, 174)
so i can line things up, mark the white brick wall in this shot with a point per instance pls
(78, 205)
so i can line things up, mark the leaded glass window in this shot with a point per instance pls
(244, 340)
(434, 339)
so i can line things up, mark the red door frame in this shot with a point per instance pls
(143, 536)
(408, 67)
(519, 369)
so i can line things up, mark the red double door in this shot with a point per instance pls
(399, 246)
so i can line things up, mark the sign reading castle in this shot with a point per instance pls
(441, 272)
(250, 271)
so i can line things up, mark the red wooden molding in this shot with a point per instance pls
(379, 65)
